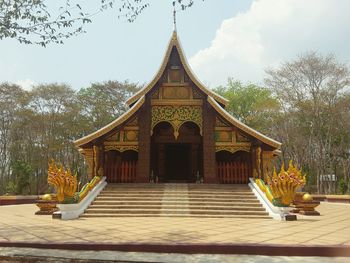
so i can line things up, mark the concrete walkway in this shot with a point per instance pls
(19, 224)
(54, 255)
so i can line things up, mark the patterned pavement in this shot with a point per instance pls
(19, 224)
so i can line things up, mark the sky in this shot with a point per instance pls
(221, 39)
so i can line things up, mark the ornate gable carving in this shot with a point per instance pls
(176, 116)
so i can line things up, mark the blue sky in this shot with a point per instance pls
(115, 49)
(226, 38)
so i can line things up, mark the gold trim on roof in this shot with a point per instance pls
(112, 125)
(242, 126)
(174, 41)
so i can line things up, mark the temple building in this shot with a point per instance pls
(177, 130)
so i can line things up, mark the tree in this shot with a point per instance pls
(12, 98)
(103, 102)
(42, 22)
(23, 173)
(45, 129)
(250, 103)
(43, 123)
(314, 93)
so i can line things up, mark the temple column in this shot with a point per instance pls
(209, 171)
(144, 154)
(267, 157)
(89, 157)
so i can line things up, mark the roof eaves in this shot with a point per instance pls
(92, 136)
(242, 126)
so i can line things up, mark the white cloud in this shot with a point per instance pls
(270, 32)
(26, 84)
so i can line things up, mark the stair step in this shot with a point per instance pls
(166, 207)
(176, 215)
(170, 193)
(177, 200)
(189, 196)
(147, 203)
(172, 211)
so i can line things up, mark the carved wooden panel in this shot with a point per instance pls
(175, 75)
(178, 93)
(241, 138)
(197, 94)
(131, 136)
(133, 122)
(220, 123)
(233, 148)
(223, 136)
(176, 116)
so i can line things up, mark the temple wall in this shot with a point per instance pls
(144, 154)
(209, 145)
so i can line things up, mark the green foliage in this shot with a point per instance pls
(11, 188)
(44, 22)
(315, 115)
(22, 171)
(102, 102)
(250, 103)
(38, 22)
(343, 185)
(42, 124)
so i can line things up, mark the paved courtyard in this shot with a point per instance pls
(19, 224)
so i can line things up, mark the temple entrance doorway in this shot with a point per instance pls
(176, 160)
(177, 163)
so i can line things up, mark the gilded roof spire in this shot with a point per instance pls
(174, 15)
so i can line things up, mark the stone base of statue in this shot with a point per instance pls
(306, 208)
(46, 207)
(305, 205)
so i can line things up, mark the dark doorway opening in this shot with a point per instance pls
(177, 160)
(177, 163)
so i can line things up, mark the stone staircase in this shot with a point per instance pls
(176, 200)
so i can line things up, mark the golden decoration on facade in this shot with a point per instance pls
(121, 148)
(131, 136)
(232, 148)
(176, 116)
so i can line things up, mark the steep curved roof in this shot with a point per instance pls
(228, 117)
(175, 42)
(112, 125)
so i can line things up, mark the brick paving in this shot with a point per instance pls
(19, 224)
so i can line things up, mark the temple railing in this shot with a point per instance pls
(125, 172)
(233, 172)
(275, 212)
(74, 210)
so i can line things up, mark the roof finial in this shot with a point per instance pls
(174, 15)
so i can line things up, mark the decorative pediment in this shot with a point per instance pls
(176, 116)
(175, 69)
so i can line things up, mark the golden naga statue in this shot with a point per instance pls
(281, 188)
(65, 183)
